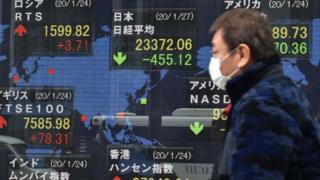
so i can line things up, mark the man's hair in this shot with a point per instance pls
(249, 27)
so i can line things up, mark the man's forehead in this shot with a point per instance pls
(217, 39)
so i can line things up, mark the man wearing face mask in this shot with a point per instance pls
(272, 131)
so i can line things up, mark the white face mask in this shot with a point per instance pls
(215, 73)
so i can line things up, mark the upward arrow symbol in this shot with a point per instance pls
(20, 30)
(3, 122)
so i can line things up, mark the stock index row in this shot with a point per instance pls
(146, 38)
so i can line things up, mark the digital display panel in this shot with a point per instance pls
(120, 90)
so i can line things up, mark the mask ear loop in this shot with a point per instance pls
(231, 52)
(234, 72)
(225, 58)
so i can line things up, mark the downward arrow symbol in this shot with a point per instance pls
(119, 58)
(196, 128)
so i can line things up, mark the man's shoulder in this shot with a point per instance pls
(277, 88)
(274, 95)
(275, 98)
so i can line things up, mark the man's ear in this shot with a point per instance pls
(245, 56)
